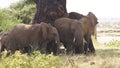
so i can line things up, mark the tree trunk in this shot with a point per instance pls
(49, 10)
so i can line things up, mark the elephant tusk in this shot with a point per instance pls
(74, 39)
(84, 41)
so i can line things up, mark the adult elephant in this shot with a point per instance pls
(71, 34)
(78, 16)
(89, 23)
(36, 36)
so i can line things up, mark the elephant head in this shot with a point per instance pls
(51, 38)
(55, 40)
(93, 19)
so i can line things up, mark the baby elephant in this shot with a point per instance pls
(36, 36)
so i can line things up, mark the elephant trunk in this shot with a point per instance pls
(60, 46)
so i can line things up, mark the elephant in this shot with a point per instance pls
(89, 23)
(36, 36)
(71, 34)
(78, 16)
(75, 15)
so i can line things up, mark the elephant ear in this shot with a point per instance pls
(92, 18)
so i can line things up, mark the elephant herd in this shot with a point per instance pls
(74, 32)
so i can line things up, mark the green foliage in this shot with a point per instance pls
(21, 12)
(36, 60)
(7, 20)
(29, 1)
(24, 10)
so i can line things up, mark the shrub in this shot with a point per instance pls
(7, 21)
(36, 60)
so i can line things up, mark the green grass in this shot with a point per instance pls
(115, 43)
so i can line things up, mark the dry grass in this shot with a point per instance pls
(105, 57)
(108, 31)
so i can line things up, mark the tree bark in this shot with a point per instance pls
(49, 10)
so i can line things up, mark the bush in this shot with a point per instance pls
(36, 60)
(7, 21)
(23, 10)
(20, 12)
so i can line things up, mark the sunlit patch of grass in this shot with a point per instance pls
(95, 42)
(114, 43)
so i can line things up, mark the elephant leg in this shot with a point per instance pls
(86, 45)
(10, 51)
(57, 50)
(91, 46)
(26, 50)
(43, 48)
(70, 48)
(52, 47)
(49, 47)
(79, 48)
